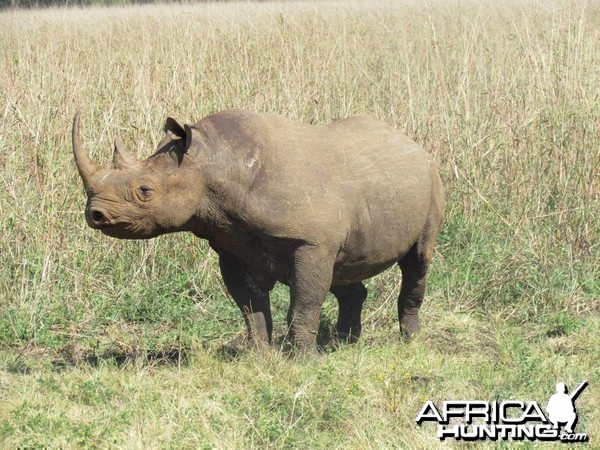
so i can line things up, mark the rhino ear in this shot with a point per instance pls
(179, 132)
(188, 138)
(171, 125)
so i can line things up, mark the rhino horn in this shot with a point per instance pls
(121, 157)
(85, 165)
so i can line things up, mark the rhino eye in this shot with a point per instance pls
(145, 191)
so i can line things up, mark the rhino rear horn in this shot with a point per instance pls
(85, 165)
(121, 157)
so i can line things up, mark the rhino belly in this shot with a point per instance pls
(353, 273)
(359, 262)
(377, 240)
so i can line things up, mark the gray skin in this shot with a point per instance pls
(318, 208)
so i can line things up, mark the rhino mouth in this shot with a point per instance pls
(111, 228)
(115, 229)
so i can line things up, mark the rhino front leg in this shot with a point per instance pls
(251, 298)
(350, 299)
(310, 281)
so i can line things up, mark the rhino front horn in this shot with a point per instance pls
(85, 166)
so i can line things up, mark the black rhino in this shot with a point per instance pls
(318, 208)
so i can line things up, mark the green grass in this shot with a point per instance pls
(106, 343)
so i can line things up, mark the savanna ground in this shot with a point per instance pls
(107, 343)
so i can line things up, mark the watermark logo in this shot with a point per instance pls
(473, 420)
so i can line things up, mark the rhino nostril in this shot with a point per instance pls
(98, 217)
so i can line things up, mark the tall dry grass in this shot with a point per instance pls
(505, 95)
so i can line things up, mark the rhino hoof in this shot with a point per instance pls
(346, 338)
(409, 328)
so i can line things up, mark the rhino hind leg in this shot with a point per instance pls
(414, 266)
(251, 297)
(350, 298)
(415, 263)
(414, 280)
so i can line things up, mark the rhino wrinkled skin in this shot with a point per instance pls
(318, 208)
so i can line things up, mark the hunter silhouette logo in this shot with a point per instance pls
(561, 407)
(474, 420)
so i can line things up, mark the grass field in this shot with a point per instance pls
(114, 344)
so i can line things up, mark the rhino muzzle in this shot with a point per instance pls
(99, 219)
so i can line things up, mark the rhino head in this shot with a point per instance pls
(142, 199)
